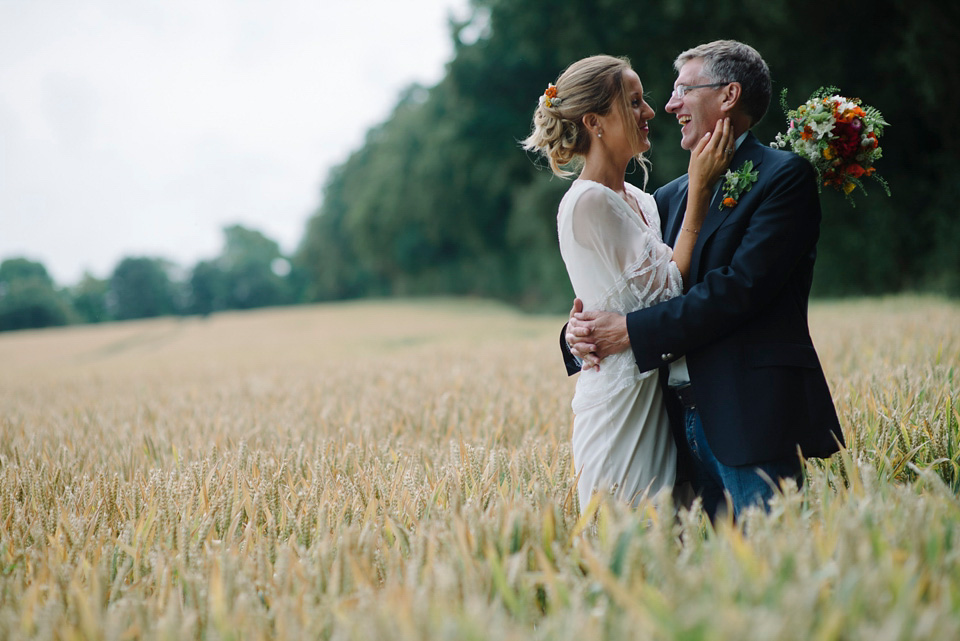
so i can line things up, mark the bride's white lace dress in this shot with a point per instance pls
(618, 262)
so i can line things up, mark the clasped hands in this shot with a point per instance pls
(592, 336)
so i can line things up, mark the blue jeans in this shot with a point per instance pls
(748, 485)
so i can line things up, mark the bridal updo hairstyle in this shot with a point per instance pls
(592, 85)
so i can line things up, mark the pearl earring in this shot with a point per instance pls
(600, 134)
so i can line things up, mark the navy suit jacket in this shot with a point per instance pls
(742, 324)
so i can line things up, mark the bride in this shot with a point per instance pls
(596, 117)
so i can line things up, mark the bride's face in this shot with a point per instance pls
(616, 132)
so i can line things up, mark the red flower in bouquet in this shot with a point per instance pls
(855, 170)
(847, 141)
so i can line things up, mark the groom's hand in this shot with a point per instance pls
(604, 332)
(578, 338)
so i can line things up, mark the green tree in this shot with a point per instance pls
(28, 297)
(328, 259)
(209, 288)
(254, 268)
(141, 288)
(90, 299)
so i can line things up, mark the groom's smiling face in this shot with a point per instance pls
(699, 109)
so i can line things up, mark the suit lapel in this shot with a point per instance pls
(675, 215)
(750, 149)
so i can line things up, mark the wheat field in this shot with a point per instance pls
(402, 470)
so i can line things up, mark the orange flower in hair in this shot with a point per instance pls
(549, 97)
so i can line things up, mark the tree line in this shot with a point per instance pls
(250, 272)
(440, 199)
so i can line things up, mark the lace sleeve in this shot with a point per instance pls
(625, 260)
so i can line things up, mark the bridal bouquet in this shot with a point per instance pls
(839, 137)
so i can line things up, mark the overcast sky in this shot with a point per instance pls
(142, 127)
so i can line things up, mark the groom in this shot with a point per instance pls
(744, 388)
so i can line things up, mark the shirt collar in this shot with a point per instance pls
(741, 138)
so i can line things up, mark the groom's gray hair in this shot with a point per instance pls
(732, 61)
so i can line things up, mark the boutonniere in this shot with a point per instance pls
(736, 183)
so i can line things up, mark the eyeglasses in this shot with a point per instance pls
(681, 90)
